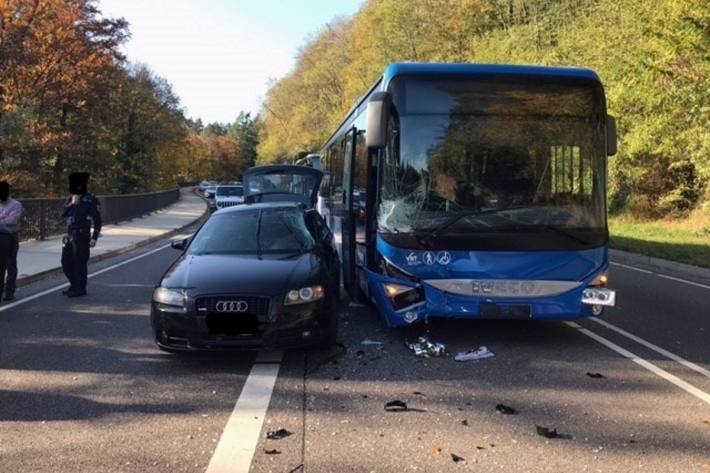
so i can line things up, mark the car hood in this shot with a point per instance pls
(242, 274)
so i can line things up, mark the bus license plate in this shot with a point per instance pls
(505, 311)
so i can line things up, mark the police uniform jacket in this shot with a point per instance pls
(79, 216)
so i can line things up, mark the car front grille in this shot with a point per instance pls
(222, 205)
(255, 305)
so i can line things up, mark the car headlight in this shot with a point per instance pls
(304, 295)
(171, 297)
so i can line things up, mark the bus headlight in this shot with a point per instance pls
(599, 296)
(403, 296)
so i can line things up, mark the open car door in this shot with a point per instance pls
(280, 183)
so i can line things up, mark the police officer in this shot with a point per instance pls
(80, 210)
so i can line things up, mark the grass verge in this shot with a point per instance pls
(684, 240)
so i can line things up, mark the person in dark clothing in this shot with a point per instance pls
(81, 211)
(10, 219)
(10, 216)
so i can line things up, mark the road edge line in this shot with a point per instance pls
(240, 437)
(685, 386)
(656, 348)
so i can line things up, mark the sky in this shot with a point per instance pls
(219, 55)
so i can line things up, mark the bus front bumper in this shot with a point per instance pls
(578, 301)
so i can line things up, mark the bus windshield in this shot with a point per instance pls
(512, 160)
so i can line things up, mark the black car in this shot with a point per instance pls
(263, 274)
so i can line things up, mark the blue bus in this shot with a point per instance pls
(474, 191)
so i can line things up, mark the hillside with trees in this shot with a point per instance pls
(70, 101)
(653, 57)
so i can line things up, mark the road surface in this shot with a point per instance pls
(83, 389)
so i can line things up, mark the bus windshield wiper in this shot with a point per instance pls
(471, 213)
(566, 233)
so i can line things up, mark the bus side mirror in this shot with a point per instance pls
(610, 135)
(378, 114)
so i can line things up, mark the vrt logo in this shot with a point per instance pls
(412, 258)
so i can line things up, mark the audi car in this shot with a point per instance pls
(262, 274)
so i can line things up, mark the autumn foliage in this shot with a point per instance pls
(652, 55)
(70, 101)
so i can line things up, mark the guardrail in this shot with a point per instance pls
(42, 217)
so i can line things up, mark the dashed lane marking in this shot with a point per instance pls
(238, 442)
(687, 387)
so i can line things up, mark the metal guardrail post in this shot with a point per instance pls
(43, 220)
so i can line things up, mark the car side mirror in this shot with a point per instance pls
(610, 135)
(179, 244)
(378, 114)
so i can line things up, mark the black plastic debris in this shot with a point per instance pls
(458, 459)
(464, 422)
(360, 354)
(396, 406)
(417, 393)
(277, 434)
(503, 409)
(272, 451)
(478, 447)
(336, 378)
(546, 432)
(595, 375)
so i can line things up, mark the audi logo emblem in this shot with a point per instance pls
(231, 306)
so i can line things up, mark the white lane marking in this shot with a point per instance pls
(661, 275)
(692, 283)
(62, 286)
(631, 267)
(656, 348)
(238, 442)
(689, 388)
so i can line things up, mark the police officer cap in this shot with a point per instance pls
(78, 182)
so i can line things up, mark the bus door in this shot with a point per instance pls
(349, 223)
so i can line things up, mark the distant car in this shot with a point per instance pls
(203, 185)
(228, 196)
(262, 274)
(210, 191)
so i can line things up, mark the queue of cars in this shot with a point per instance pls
(263, 273)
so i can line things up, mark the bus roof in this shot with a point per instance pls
(425, 68)
(409, 68)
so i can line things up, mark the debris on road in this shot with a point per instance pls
(595, 375)
(418, 393)
(464, 422)
(360, 354)
(503, 409)
(272, 451)
(546, 432)
(435, 449)
(551, 433)
(480, 353)
(367, 341)
(396, 406)
(425, 348)
(400, 406)
(277, 434)
(458, 459)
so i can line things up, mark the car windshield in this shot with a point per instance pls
(480, 156)
(230, 191)
(254, 231)
(283, 182)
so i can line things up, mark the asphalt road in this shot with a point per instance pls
(83, 389)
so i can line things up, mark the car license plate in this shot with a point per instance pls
(505, 311)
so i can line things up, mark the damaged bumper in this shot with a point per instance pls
(486, 299)
(178, 330)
